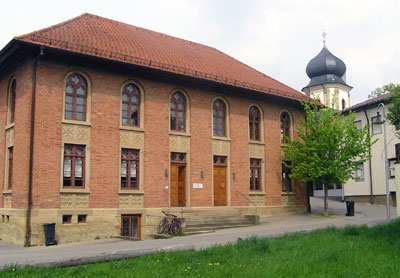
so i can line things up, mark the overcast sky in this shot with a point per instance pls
(277, 38)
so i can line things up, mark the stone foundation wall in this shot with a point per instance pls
(102, 223)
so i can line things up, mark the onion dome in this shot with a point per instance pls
(325, 68)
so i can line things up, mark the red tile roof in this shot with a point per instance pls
(372, 101)
(109, 39)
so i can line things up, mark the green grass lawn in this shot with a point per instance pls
(348, 252)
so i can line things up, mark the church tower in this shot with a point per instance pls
(328, 80)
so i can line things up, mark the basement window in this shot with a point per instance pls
(66, 219)
(82, 218)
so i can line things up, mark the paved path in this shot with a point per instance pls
(112, 249)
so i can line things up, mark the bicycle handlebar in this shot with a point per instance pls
(168, 214)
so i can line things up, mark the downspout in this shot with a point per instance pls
(32, 133)
(370, 165)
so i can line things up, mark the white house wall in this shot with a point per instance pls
(363, 188)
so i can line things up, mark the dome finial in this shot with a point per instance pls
(324, 35)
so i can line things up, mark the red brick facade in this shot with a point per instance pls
(103, 136)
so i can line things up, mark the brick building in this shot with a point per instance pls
(106, 124)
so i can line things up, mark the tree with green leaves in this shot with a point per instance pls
(329, 150)
(388, 88)
(394, 109)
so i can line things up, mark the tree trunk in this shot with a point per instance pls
(325, 199)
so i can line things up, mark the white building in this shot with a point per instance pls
(371, 186)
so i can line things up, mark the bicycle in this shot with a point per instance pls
(173, 227)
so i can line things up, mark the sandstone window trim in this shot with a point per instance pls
(255, 175)
(82, 218)
(12, 96)
(287, 183)
(67, 94)
(131, 105)
(220, 118)
(255, 123)
(285, 120)
(67, 219)
(131, 225)
(130, 169)
(10, 162)
(74, 166)
(9, 169)
(220, 161)
(178, 107)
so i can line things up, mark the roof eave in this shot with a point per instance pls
(7, 50)
(199, 78)
(366, 106)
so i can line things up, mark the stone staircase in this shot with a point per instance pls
(197, 221)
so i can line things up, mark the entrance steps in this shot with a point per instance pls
(207, 220)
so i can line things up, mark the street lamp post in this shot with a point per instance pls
(383, 121)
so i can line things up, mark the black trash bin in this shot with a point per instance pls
(350, 208)
(50, 233)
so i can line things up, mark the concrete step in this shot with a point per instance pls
(208, 224)
(194, 217)
(215, 227)
(202, 213)
(205, 223)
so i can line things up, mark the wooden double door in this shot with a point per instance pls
(178, 185)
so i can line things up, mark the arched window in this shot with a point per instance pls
(130, 105)
(343, 104)
(178, 112)
(285, 127)
(219, 116)
(11, 101)
(254, 123)
(76, 88)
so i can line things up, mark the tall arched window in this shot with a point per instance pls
(343, 104)
(11, 101)
(178, 112)
(285, 127)
(130, 105)
(76, 88)
(254, 123)
(219, 116)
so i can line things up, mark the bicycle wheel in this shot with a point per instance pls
(161, 227)
(175, 228)
(178, 222)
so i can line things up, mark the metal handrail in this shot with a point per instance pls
(172, 197)
(255, 204)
